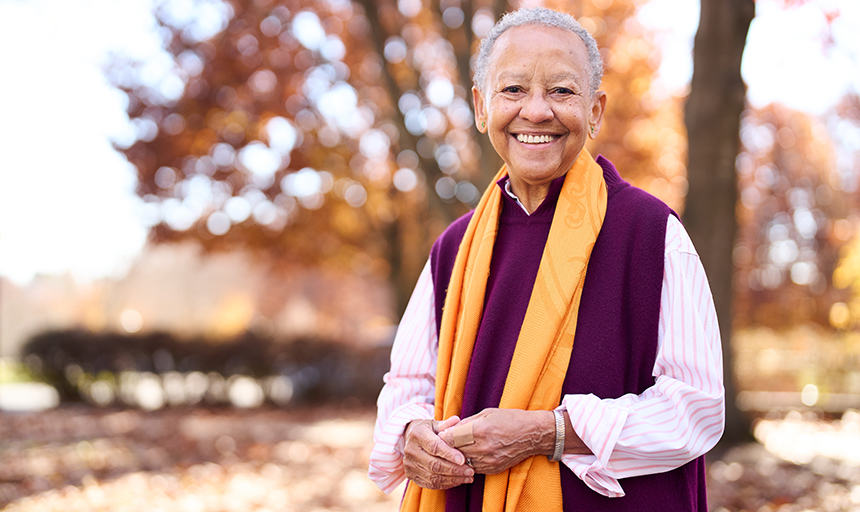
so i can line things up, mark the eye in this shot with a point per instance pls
(563, 90)
(512, 89)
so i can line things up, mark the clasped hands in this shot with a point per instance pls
(494, 440)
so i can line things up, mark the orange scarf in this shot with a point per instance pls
(542, 353)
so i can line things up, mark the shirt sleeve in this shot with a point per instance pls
(682, 415)
(410, 385)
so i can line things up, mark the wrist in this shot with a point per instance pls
(546, 442)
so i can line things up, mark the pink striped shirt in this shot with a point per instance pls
(674, 421)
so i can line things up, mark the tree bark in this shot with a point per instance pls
(712, 115)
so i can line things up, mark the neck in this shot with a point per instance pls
(530, 195)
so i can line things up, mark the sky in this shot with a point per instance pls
(67, 201)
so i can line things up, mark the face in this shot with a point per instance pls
(536, 105)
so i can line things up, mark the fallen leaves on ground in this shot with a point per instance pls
(801, 463)
(78, 458)
(82, 459)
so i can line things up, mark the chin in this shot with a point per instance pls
(535, 172)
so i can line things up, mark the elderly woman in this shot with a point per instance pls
(560, 350)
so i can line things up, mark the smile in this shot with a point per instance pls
(535, 139)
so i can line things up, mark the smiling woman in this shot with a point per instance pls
(537, 106)
(531, 370)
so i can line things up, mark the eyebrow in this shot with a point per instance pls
(558, 77)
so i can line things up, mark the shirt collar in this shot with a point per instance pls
(555, 188)
(510, 192)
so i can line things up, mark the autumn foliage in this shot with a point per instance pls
(341, 133)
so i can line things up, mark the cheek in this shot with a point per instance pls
(501, 114)
(576, 119)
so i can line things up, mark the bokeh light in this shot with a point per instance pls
(131, 320)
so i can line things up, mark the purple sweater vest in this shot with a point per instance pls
(616, 337)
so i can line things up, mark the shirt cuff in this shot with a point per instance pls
(386, 458)
(598, 423)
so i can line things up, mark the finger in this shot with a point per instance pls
(438, 447)
(443, 468)
(433, 472)
(430, 481)
(450, 422)
(424, 436)
(446, 436)
(452, 433)
(463, 434)
(443, 429)
(436, 476)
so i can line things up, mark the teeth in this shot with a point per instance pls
(534, 139)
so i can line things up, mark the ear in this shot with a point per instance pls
(480, 110)
(595, 117)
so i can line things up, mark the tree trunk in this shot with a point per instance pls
(712, 116)
(406, 263)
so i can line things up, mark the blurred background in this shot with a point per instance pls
(212, 213)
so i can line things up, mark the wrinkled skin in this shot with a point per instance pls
(503, 439)
(431, 462)
(506, 437)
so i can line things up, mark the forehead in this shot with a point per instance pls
(526, 47)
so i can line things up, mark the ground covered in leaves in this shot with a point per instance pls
(83, 459)
(209, 460)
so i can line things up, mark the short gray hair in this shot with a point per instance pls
(539, 16)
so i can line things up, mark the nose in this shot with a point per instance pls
(536, 108)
